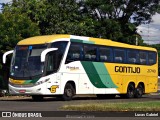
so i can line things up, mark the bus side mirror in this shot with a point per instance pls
(5, 55)
(44, 53)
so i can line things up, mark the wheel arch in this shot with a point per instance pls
(143, 85)
(72, 83)
(126, 87)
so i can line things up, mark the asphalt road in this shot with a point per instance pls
(53, 105)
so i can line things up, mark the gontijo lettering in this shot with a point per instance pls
(127, 69)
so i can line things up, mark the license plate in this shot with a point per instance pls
(22, 91)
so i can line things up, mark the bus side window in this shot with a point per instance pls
(74, 53)
(152, 58)
(49, 68)
(105, 54)
(132, 56)
(90, 53)
(119, 55)
(52, 62)
(143, 57)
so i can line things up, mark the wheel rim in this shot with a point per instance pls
(68, 92)
(131, 91)
(140, 91)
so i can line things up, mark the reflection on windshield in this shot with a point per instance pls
(26, 61)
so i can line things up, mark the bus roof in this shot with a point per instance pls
(42, 39)
(108, 42)
(99, 41)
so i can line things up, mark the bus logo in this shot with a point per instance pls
(53, 88)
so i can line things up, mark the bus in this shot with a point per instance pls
(66, 65)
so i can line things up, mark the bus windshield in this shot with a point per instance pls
(26, 61)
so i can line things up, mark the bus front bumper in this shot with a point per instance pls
(35, 90)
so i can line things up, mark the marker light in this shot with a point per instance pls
(42, 81)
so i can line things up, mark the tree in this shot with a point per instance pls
(127, 13)
(55, 17)
(15, 27)
(111, 19)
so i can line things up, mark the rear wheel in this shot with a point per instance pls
(69, 92)
(37, 97)
(139, 91)
(130, 91)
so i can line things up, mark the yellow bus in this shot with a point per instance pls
(66, 65)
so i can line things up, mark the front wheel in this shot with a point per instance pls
(69, 92)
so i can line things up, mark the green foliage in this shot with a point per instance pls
(109, 19)
(122, 12)
(102, 18)
(14, 27)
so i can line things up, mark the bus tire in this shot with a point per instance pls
(130, 91)
(37, 97)
(139, 91)
(69, 92)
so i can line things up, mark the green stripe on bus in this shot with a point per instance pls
(82, 41)
(92, 74)
(104, 75)
(76, 40)
(98, 74)
(31, 81)
(35, 80)
(27, 81)
(89, 42)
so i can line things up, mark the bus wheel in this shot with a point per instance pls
(130, 91)
(37, 97)
(139, 91)
(69, 92)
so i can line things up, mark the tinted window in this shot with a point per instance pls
(132, 56)
(119, 55)
(105, 54)
(90, 53)
(55, 57)
(74, 52)
(61, 47)
(152, 58)
(143, 57)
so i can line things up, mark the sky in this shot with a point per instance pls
(150, 32)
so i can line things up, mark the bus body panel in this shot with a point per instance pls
(90, 77)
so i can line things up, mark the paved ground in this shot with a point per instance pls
(54, 104)
(23, 104)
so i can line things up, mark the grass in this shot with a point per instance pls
(128, 106)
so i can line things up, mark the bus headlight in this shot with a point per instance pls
(42, 81)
